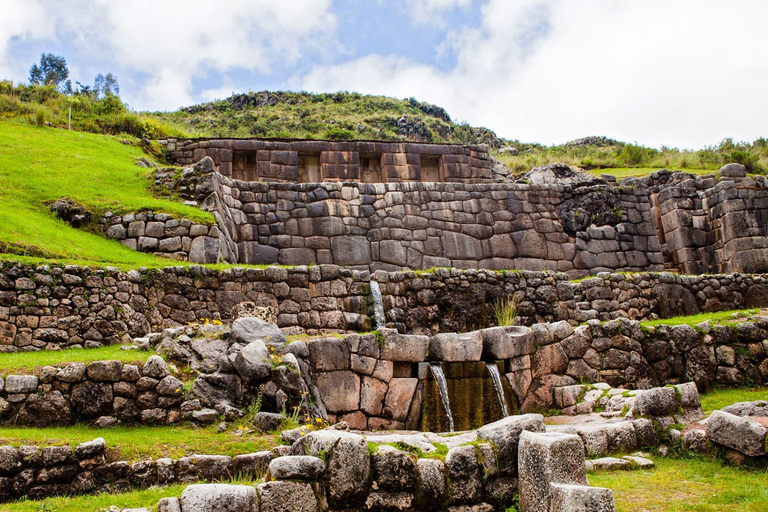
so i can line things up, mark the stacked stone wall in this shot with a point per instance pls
(163, 235)
(71, 306)
(424, 225)
(65, 394)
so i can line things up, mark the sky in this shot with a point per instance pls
(680, 73)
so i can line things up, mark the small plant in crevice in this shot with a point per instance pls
(505, 310)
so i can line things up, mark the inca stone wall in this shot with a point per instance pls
(580, 228)
(71, 306)
(318, 160)
(555, 218)
(164, 235)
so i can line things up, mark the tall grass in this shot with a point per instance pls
(505, 310)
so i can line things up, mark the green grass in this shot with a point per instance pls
(142, 442)
(134, 499)
(717, 397)
(26, 362)
(694, 484)
(40, 164)
(719, 317)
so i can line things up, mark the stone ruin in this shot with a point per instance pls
(432, 406)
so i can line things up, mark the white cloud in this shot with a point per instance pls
(176, 41)
(430, 11)
(682, 72)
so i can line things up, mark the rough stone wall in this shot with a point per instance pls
(623, 354)
(424, 225)
(43, 471)
(145, 393)
(71, 306)
(275, 160)
(715, 226)
(164, 235)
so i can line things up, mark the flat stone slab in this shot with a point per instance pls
(607, 464)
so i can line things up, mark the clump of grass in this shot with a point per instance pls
(40, 116)
(505, 310)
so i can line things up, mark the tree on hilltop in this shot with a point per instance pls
(51, 71)
(104, 86)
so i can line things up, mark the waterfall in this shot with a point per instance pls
(442, 387)
(378, 306)
(496, 377)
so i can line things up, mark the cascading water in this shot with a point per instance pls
(496, 377)
(442, 387)
(378, 305)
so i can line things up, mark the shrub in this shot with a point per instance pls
(505, 310)
(339, 134)
(747, 159)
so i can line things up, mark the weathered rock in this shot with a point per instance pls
(581, 498)
(432, 488)
(545, 459)
(92, 399)
(20, 384)
(218, 388)
(45, 410)
(248, 329)
(465, 475)
(507, 342)
(283, 496)
(156, 368)
(253, 465)
(656, 402)
(253, 362)
(394, 470)
(219, 498)
(743, 434)
(297, 467)
(108, 371)
(456, 347)
(267, 421)
(73, 372)
(505, 435)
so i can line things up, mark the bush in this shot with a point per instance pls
(747, 159)
(338, 134)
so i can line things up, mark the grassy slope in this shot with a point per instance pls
(40, 165)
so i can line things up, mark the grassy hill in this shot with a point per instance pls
(41, 164)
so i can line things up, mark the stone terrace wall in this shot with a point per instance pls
(145, 393)
(423, 225)
(52, 307)
(277, 160)
(43, 471)
(164, 235)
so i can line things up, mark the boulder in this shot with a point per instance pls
(297, 467)
(733, 170)
(106, 371)
(15, 384)
(545, 459)
(155, 367)
(465, 475)
(283, 496)
(267, 421)
(431, 488)
(247, 329)
(218, 388)
(580, 498)
(219, 498)
(253, 362)
(348, 465)
(92, 399)
(394, 470)
(656, 402)
(743, 434)
(253, 465)
(505, 435)
(45, 410)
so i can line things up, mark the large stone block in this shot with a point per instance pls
(351, 250)
(285, 496)
(656, 402)
(581, 498)
(743, 434)
(219, 498)
(505, 435)
(456, 347)
(403, 347)
(340, 391)
(545, 459)
(507, 342)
